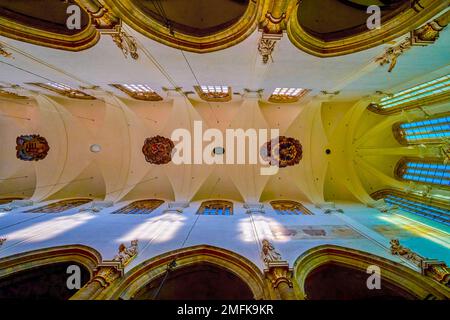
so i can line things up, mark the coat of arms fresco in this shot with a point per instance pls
(31, 147)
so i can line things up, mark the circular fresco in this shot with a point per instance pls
(282, 153)
(158, 150)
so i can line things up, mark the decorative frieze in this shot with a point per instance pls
(437, 270)
(423, 36)
(15, 204)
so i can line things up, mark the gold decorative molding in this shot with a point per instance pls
(101, 17)
(86, 38)
(436, 270)
(392, 29)
(138, 20)
(10, 95)
(399, 250)
(106, 273)
(266, 45)
(84, 255)
(279, 272)
(126, 43)
(429, 33)
(272, 25)
(423, 36)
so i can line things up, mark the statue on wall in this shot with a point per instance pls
(268, 253)
(31, 147)
(398, 249)
(126, 254)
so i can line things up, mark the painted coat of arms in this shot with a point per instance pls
(158, 150)
(31, 147)
(286, 152)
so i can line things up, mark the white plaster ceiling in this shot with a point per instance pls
(121, 125)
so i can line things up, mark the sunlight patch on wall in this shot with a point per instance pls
(422, 230)
(263, 227)
(158, 229)
(50, 229)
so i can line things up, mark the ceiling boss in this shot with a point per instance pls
(286, 152)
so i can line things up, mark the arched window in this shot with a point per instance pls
(425, 131)
(60, 206)
(427, 93)
(429, 208)
(216, 208)
(140, 207)
(426, 172)
(287, 207)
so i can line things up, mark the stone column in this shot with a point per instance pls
(104, 275)
(280, 276)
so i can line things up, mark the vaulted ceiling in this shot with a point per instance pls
(332, 116)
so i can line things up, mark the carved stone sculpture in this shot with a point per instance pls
(126, 254)
(268, 253)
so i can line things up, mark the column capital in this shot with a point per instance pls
(107, 272)
(279, 272)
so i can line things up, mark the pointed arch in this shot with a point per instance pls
(156, 267)
(410, 281)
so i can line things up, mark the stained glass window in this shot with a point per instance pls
(216, 208)
(287, 207)
(284, 95)
(424, 172)
(427, 207)
(433, 91)
(424, 131)
(140, 207)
